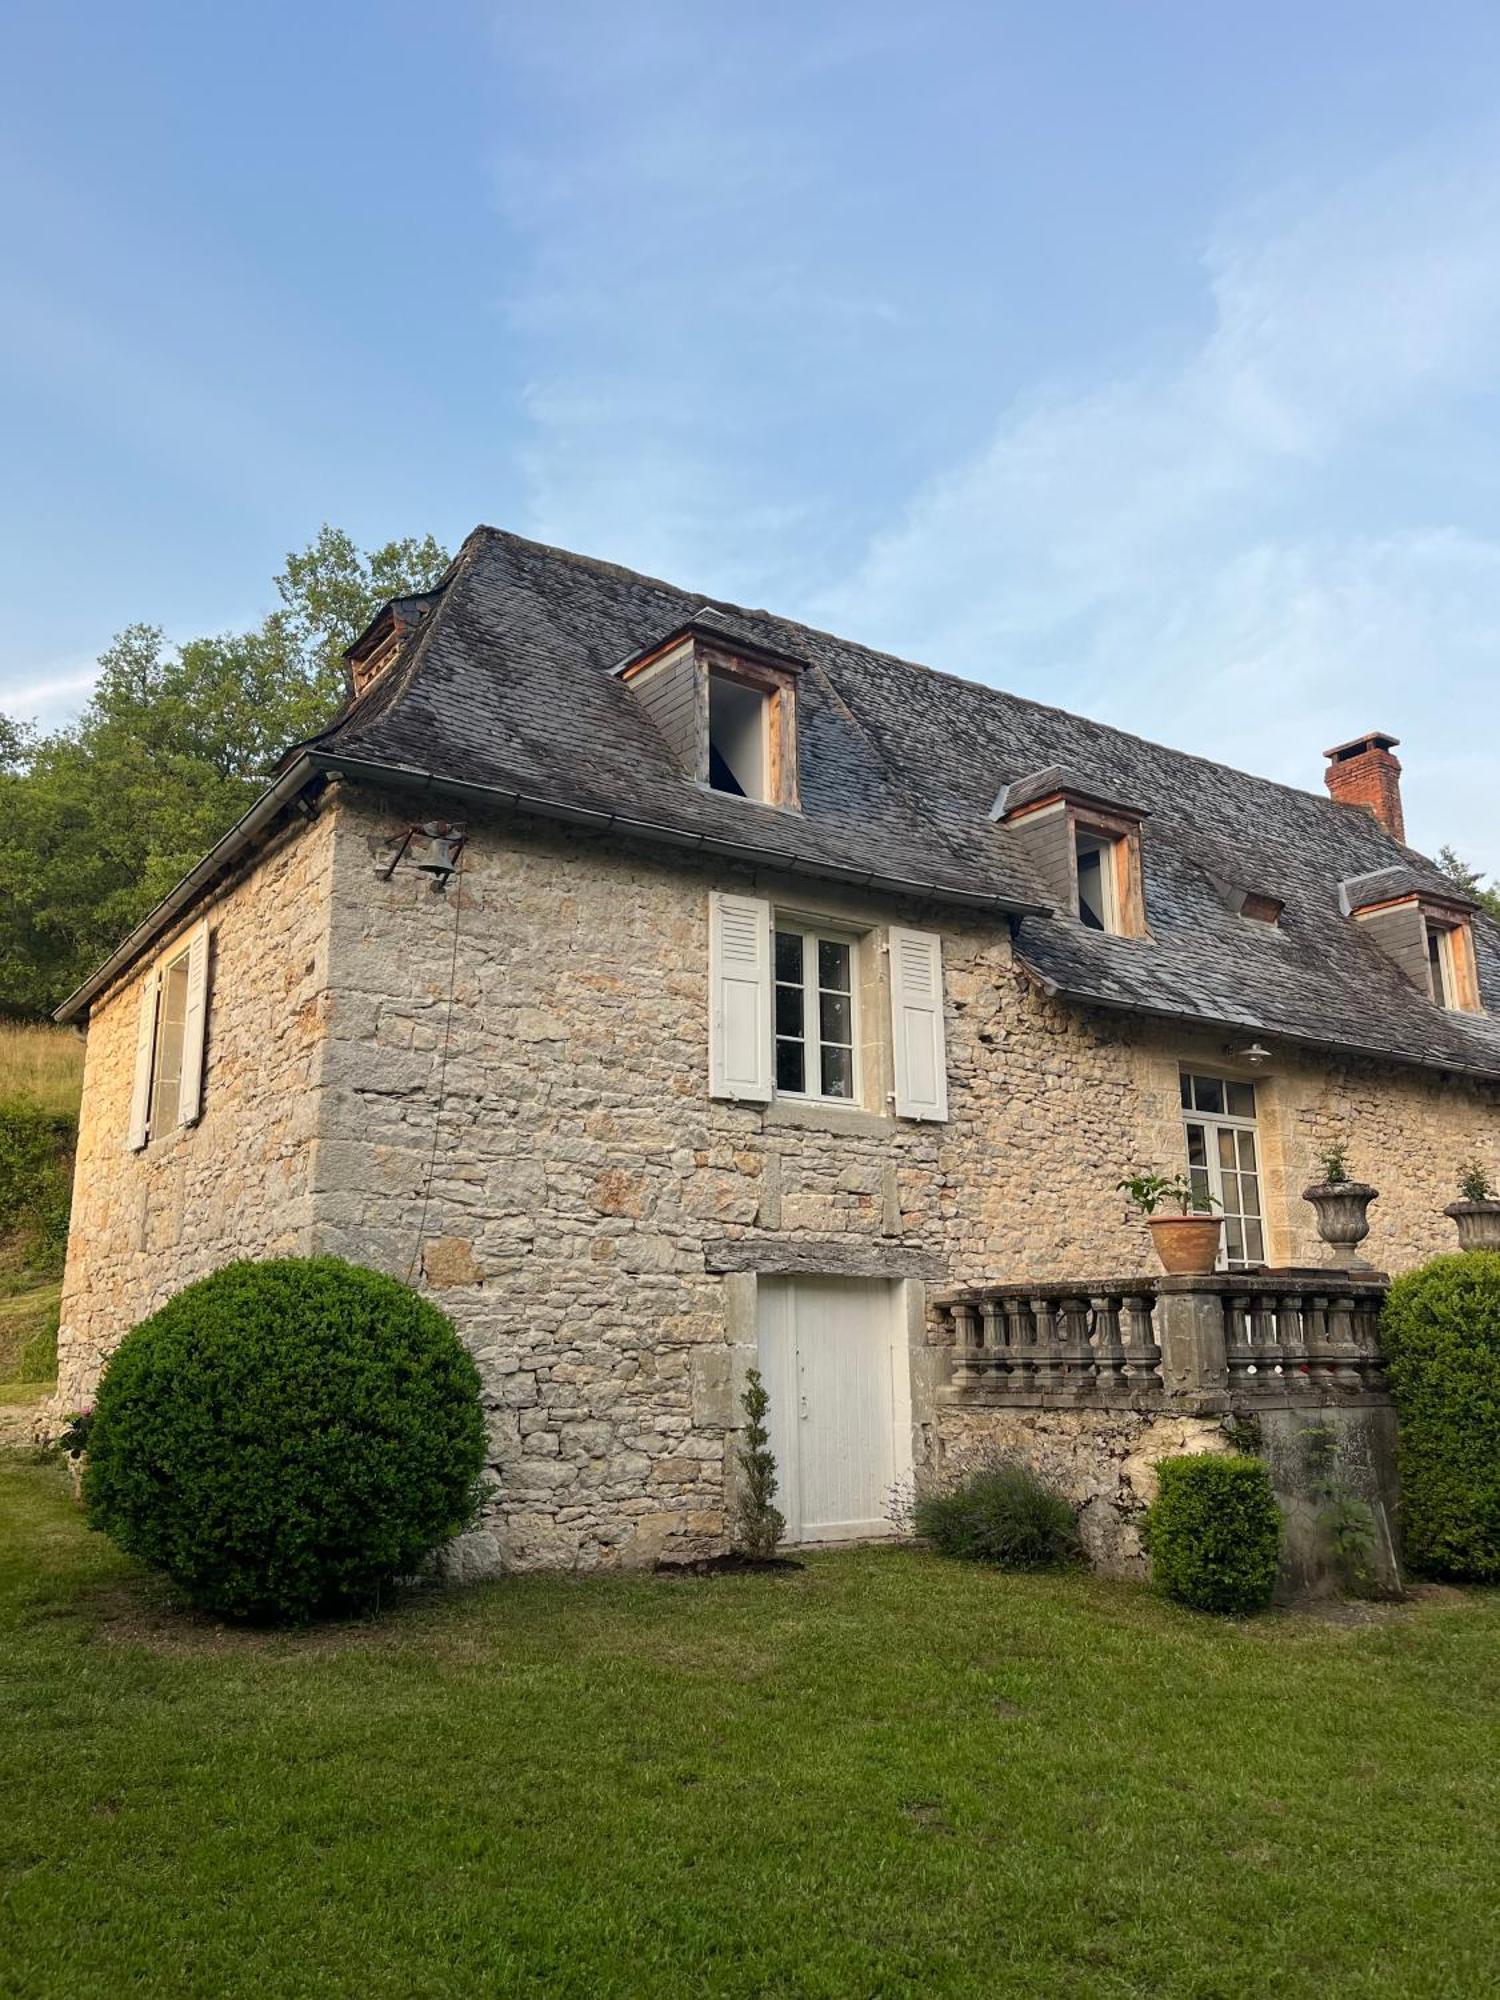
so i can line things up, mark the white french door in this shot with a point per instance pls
(834, 1359)
(1218, 1115)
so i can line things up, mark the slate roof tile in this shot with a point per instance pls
(509, 682)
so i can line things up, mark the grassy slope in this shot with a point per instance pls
(885, 1776)
(45, 1065)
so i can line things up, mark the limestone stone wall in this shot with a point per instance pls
(237, 1184)
(503, 1093)
(586, 1194)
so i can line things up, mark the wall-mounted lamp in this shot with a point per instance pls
(435, 848)
(1257, 1056)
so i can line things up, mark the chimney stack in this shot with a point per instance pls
(1364, 773)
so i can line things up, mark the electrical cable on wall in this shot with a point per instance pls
(442, 1076)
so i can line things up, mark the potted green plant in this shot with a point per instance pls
(1477, 1210)
(1342, 1206)
(1186, 1242)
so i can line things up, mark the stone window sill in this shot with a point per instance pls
(789, 1113)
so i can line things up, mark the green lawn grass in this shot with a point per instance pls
(886, 1775)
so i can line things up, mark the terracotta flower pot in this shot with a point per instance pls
(1342, 1209)
(1478, 1224)
(1187, 1245)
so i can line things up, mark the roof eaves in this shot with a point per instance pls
(786, 861)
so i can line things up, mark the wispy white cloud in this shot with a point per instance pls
(1251, 551)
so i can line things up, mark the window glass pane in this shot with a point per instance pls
(171, 1018)
(1230, 1193)
(838, 1072)
(1241, 1099)
(1198, 1180)
(1249, 1195)
(836, 1020)
(1197, 1143)
(833, 965)
(1225, 1140)
(1209, 1092)
(789, 956)
(1091, 888)
(1234, 1240)
(791, 1069)
(789, 1010)
(1255, 1242)
(1246, 1143)
(1185, 1085)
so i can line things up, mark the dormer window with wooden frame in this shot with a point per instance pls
(727, 709)
(1086, 848)
(1430, 937)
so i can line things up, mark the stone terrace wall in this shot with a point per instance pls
(237, 1183)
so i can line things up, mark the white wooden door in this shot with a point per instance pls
(833, 1356)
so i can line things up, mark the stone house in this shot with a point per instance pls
(666, 985)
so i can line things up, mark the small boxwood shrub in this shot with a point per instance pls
(1000, 1512)
(283, 1439)
(1214, 1532)
(1441, 1336)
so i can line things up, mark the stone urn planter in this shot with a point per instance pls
(1478, 1224)
(1186, 1245)
(1342, 1209)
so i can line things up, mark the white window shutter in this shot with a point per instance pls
(739, 1036)
(145, 1050)
(190, 1090)
(917, 1024)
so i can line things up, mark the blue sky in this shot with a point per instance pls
(1141, 358)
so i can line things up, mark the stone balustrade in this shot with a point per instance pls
(1197, 1344)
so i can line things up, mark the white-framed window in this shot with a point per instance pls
(167, 1089)
(1223, 1160)
(1097, 863)
(816, 1013)
(784, 1009)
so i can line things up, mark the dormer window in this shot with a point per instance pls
(1429, 936)
(727, 708)
(1085, 846)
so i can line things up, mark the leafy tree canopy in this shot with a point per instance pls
(1469, 882)
(98, 819)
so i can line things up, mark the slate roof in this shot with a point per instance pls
(509, 684)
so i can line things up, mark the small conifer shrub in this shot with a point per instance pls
(761, 1523)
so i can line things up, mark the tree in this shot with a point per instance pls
(99, 819)
(1469, 882)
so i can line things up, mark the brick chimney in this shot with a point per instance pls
(1364, 773)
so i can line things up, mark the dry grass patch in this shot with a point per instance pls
(42, 1064)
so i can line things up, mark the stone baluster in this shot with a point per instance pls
(1320, 1335)
(1021, 1347)
(1138, 1337)
(964, 1321)
(1075, 1355)
(1298, 1336)
(1241, 1357)
(1263, 1312)
(1049, 1369)
(1343, 1355)
(1109, 1348)
(993, 1341)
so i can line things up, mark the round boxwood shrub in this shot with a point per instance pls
(283, 1439)
(1000, 1512)
(1214, 1532)
(1441, 1336)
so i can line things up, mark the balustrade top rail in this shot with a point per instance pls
(1232, 1338)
